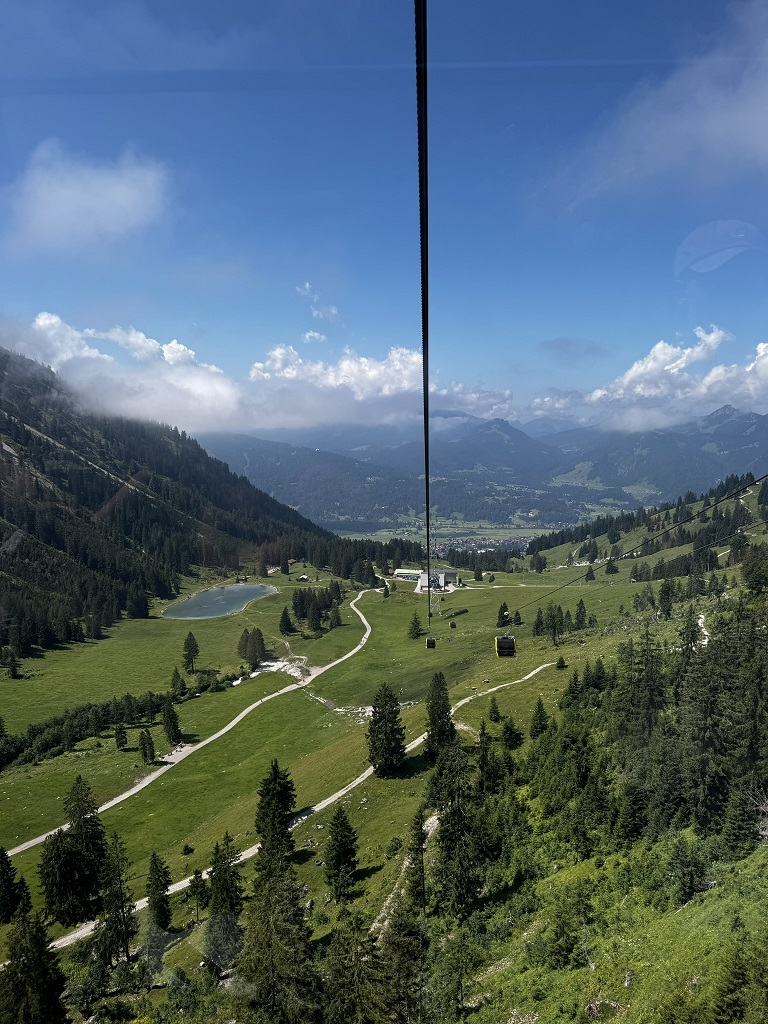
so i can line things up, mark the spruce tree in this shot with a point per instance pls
(538, 625)
(158, 896)
(255, 652)
(171, 726)
(178, 686)
(25, 899)
(121, 736)
(276, 959)
(64, 880)
(277, 802)
(223, 935)
(485, 773)
(86, 833)
(729, 1001)
(502, 619)
(31, 983)
(414, 630)
(403, 945)
(457, 859)
(9, 888)
(191, 651)
(385, 735)
(242, 644)
(415, 876)
(116, 923)
(704, 736)
(286, 626)
(511, 736)
(353, 975)
(340, 854)
(739, 835)
(198, 890)
(539, 720)
(493, 711)
(447, 987)
(441, 730)
(146, 746)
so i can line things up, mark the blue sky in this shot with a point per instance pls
(208, 211)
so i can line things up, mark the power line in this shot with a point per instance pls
(420, 17)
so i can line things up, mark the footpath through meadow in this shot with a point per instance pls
(86, 929)
(184, 751)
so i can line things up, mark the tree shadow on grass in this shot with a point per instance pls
(363, 874)
(302, 856)
(413, 766)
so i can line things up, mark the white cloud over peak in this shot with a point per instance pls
(163, 382)
(167, 381)
(661, 374)
(310, 336)
(63, 203)
(52, 341)
(705, 118)
(670, 384)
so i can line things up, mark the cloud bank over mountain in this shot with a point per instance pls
(123, 370)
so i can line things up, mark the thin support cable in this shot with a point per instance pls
(421, 114)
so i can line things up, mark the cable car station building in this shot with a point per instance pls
(441, 578)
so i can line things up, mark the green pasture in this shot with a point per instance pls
(140, 654)
(215, 790)
(31, 795)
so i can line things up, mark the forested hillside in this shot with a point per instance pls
(98, 514)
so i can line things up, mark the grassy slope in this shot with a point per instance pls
(215, 790)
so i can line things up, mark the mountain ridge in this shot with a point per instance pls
(493, 469)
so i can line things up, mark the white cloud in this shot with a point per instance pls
(705, 119)
(62, 203)
(143, 348)
(325, 312)
(363, 376)
(310, 336)
(166, 381)
(55, 343)
(306, 291)
(661, 374)
(669, 385)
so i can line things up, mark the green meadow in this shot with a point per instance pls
(140, 654)
(215, 789)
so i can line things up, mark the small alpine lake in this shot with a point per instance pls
(218, 601)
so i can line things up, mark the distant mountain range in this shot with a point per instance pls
(492, 469)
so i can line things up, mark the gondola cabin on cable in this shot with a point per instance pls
(430, 642)
(506, 647)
